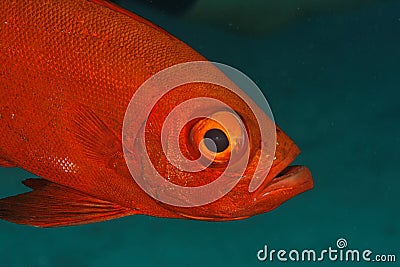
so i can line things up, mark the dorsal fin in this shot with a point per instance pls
(121, 10)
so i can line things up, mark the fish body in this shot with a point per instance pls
(68, 70)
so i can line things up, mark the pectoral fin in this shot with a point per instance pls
(97, 140)
(51, 204)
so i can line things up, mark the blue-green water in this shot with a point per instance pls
(333, 84)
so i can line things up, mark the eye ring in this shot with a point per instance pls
(218, 136)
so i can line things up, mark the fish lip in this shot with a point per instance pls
(288, 171)
(291, 181)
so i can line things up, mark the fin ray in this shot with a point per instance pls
(98, 141)
(6, 163)
(117, 8)
(51, 205)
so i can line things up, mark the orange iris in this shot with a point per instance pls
(218, 136)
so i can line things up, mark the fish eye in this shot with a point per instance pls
(218, 136)
(216, 140)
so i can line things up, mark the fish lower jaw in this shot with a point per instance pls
(289, 182)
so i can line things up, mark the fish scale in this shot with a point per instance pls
(68, 70)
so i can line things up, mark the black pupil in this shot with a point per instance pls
(216, 139)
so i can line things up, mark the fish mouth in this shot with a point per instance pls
(290, 182)
(284, 180)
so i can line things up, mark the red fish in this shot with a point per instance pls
(68, 70)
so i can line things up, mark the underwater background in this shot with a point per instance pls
(333, 83)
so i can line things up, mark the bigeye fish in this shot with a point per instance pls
(68, 70)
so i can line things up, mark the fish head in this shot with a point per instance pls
(216, 161)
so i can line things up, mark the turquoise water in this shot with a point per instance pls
(333, 84)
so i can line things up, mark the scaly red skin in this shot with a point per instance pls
(59, 56)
